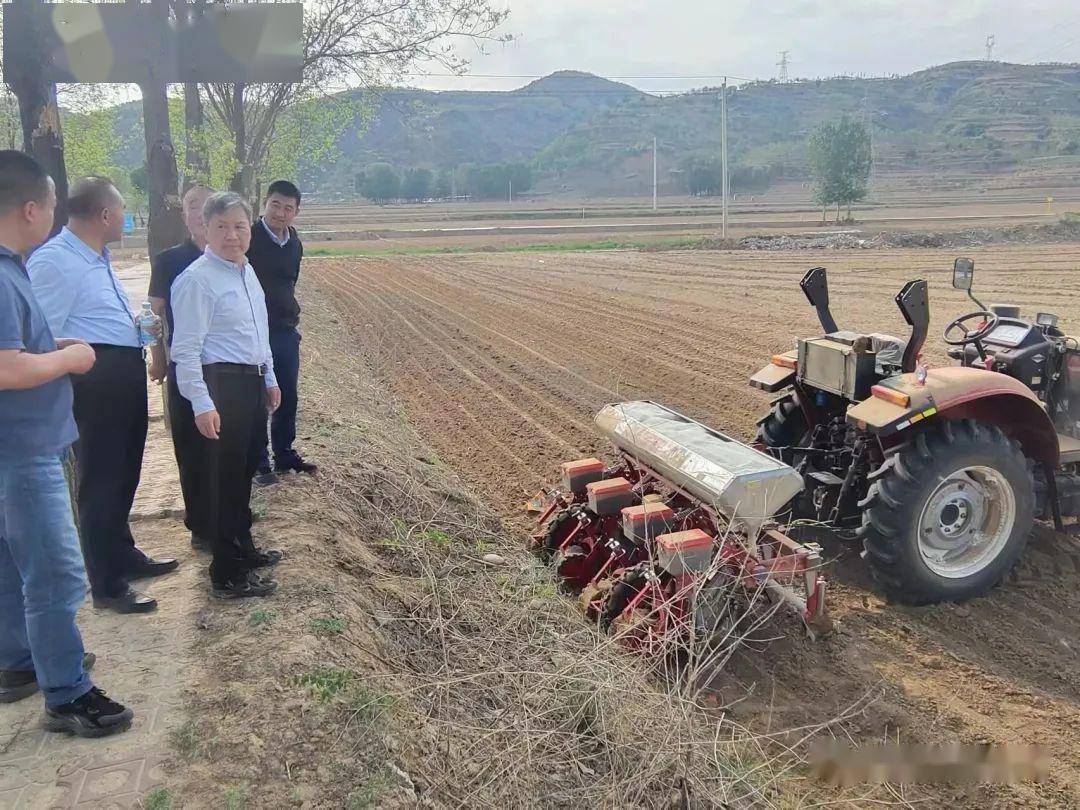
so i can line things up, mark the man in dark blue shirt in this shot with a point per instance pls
(275, 253)
(164, 270)
(42, 575)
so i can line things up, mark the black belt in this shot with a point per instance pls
(111, 347)
(237, 368)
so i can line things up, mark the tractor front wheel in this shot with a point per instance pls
(948, 514)
(784, 427)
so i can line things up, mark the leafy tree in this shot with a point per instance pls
(840, 157)
(492, 182)
(416, 185)
(382, 184)
(370, 44)
(444, 186)
(522, 175)
(140, 179)
(703, 176)
(89, 143)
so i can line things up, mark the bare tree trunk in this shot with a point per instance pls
(39, 114)
(166, 221)
(43, 138)
(196, 161)
(239, 129)
(166, 215)
(838, 213)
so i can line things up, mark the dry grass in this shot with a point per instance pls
(517, 701)
(445, 680)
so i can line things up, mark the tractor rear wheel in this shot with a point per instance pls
(948, 514)
(785, 426)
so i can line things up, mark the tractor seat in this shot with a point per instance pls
(890, 351)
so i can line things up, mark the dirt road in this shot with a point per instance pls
(503, 359)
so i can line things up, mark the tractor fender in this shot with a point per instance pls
(776, 377)
(960, 392)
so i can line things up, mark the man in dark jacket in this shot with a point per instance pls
(275, 254)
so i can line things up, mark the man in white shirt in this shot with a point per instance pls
(225, 372)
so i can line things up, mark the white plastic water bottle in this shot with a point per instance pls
(147, 320)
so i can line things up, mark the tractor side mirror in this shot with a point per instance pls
(963, 274)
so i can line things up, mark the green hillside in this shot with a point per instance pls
(588, 134)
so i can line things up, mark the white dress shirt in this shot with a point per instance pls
(219, 313)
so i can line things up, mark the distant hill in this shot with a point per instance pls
(440, 130)
(590, 135)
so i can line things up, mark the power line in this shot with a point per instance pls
(576, 77)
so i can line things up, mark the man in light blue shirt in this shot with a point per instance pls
(81, 297)
(225, 373)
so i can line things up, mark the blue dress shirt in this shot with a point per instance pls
(277, 239)
(219, 312)
(80, 294)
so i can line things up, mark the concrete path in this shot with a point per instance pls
(143, 661)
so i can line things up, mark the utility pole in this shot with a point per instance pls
(869, 123)
(511, 191)
(783, 65)
(723, 157)
(655, 175)
(991, 41)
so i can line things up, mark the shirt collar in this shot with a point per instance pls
(277, 241)
(8, 253)
(231, 265)
(83, 249)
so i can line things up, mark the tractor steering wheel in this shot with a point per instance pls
(969, 336)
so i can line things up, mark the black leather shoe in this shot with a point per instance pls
(16, 684)
(130, 601)
(244, 586)
(152, 568)
(263, 558)
(265, 477)
(294, 463)
(92, 715)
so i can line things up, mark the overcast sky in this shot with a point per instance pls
(702, 38)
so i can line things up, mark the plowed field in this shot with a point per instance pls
(503, 359)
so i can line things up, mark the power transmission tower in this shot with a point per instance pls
(783, 65)
(990, 43)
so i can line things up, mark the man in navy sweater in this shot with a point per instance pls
(275, 254)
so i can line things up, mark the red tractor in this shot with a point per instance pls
(940, 472)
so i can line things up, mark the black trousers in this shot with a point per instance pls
(185, 438)
(221, 469)
(111, 413)
(285, 348)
